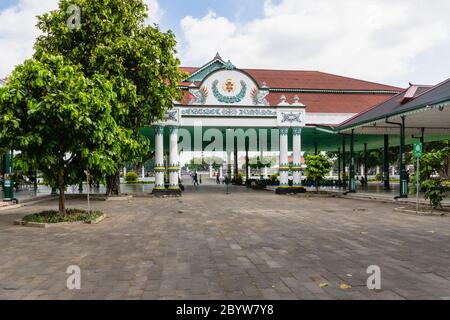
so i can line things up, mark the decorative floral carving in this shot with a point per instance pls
(259, 96)
(296, 131)
(284, 131)
(171, 116)
(291, 117)
(199, 96)
(159, 130)
(232, 99)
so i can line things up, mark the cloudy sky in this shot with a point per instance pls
(389, 41)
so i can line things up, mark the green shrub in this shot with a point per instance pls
(239, 179)
(131, 177)
(379, 177)
(317, 166)
(430, 183)
(274, 178)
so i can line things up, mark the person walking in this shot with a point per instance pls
(196, 179)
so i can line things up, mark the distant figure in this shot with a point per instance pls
(363, 181)
(407, 177)
(196, 179)
(218, 178)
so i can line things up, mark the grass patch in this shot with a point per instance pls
(140, 182)
(72, 215)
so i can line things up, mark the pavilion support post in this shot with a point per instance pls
(236, 165)
(339, 167)
(387, 185)
(284, 162)
(403, 174)
(352, 184)
(297, 150)
(422, 139)
(344, 178)
(160, 168)
(263, 161)
(229, 165)
(174, 166)
(365, 161)
(247, 161)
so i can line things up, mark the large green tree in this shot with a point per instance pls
(112, 39)
(61, 121)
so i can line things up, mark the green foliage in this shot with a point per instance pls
(61, 121)
(274, 178)
(138, 60)
(239, 179)
(202, 164)
(317, 166)
(430, 182)
(131, 177)
(379, 177)
(258, 164)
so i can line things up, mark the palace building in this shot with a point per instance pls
(289, 110)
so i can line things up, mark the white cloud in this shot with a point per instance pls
(18, 29)
(373, 39)
(155, 12)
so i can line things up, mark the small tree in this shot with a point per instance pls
(317, 166)
(430, 181)
(61, 122)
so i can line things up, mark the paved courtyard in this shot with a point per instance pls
(246, 245)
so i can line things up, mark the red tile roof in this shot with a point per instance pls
(331, 103)
(288, 79)
(320, 102)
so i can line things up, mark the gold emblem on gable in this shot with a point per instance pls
(229, 86)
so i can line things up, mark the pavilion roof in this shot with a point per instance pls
(410, 99)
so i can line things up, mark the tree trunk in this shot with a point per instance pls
(113, 184)
(62, 200)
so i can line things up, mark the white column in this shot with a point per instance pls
(174, 166)
(297, 166)
(284, 165)
(229, 165)
(124, 171)
(143, 172)
(159, 158)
